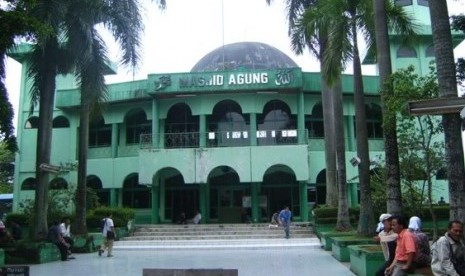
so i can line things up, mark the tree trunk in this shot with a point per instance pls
(394, 196)
(343, 219)
(81, 190)
(43, 152)
(443, 51)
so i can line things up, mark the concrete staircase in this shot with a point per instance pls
(217, 236)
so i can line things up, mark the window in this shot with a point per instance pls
(60, 122)
(429, 51)
(403, 2)
(374, 119)
(406, 52)
(99, 133)
(29, 184)
(181, 128)
(136, 125)
(32, 122)
(423, 3)
(275, 119)
(58, 184)
(441, 174)
(314, 123)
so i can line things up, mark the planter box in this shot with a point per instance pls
(36, 253)
(340, 246)
(365, 260)
(326, 238)
(83, 244)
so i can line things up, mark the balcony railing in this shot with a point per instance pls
(237, 138)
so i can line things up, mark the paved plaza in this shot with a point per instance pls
(276, 261)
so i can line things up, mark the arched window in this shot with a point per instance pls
(99, 133)
(60, 122)
(227, 125)
(374, 118)
(32, 122)
(403, 2)
(136, 125)
(406, 52)
(441, 174)
(275, 119)
(429, 51)
(29, 184)
(181, 128)
(135, 195)
(58, 184)
(314, 123)
(94, 184)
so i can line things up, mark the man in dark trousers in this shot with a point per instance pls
(55, 236)
(285, 217)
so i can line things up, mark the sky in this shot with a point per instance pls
(176, 38)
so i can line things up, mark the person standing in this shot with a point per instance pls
(405, 249)
(55, 237)
(449, 252)
(387, 239)
(109, 235)
(285, 218)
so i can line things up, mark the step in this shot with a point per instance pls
(217, 244)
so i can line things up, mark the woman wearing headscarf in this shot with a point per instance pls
(423, 257)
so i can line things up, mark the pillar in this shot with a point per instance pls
(114, 140)
(301, 135)
(113, 197)
(350, 133)
(155, 124)
(161, 135)
(303, 201)
(255, 202)
(253, 129)
(155, 202)
(202, 130)
(120, 197)
(203, 201)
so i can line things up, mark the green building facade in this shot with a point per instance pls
(241, 133)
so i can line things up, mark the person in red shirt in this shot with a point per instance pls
(405, 250)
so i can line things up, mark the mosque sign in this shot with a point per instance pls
(286, 78)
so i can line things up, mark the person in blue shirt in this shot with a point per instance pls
(285, 219)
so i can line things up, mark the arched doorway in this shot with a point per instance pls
(321, 187)
(95, 185)
(181, 128)
(228, 195)
(280, 188)
(178, 197)
(135, 195)
(227, 126)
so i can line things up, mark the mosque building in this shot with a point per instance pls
(241, 132)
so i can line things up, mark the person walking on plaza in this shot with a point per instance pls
(285, 217)
(109, 235)
(405, 250)
(449, 252)
(387, 239)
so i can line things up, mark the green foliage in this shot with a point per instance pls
(121, 216)
(7, 157)
(20, 218)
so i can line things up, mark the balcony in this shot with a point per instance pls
(237, 138)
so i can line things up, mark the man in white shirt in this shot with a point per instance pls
(109, 235)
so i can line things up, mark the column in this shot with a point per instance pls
(301, 119)
(203, 201)
(120, 197)
(350, 133)
(113, 197)
(202, 130)
(155, 124)
(255, 202)
(161, 135)
(114, 140)
(155, 202)
(303, 201)
(253, 129)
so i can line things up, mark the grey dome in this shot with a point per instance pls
(248, 55)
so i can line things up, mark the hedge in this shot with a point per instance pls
(120, 216)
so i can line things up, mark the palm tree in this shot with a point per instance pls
(443, 51)
(124, 20)
(48, 59)
(316, 45)
(344, 20)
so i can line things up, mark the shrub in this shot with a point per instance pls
(19, 218)
(121, 216)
